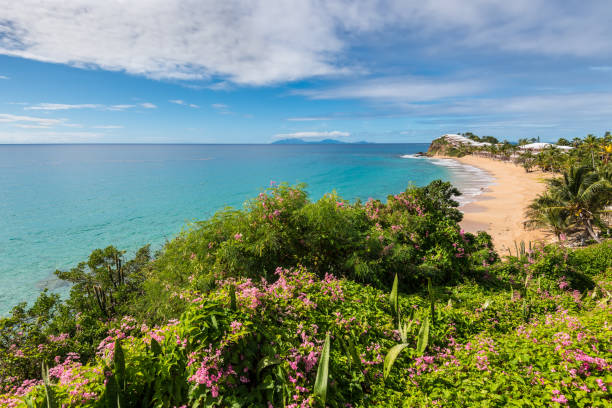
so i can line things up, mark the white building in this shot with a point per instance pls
(538, 147)
(457, 140)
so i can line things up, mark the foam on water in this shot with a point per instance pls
(470, 180)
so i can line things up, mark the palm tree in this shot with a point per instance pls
(591, 143)
(523, 141)
(527, 160)
(547, 213)
(583, 194)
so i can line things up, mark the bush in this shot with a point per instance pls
(415, 234)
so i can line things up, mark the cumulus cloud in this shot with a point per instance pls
(312, 135)
(264, 42)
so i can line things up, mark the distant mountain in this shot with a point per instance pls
(324, 141)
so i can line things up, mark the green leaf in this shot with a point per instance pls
(353, 351)
(267, 361)
(320, 386)
(49, 394)
(393, 301)
(119, 365)
(391, 357)
(403, 331)
(423, 337)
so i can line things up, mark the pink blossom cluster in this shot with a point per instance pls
(409, 202)
(59, 338)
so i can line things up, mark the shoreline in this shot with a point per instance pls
(500, 209)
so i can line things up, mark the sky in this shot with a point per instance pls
(248, 71)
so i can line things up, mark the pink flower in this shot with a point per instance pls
(235, 325)
(558, 397)
(600, 382)
(238, 237)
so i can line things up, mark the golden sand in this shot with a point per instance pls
(500, 210)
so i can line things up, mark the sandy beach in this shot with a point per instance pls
(500, 209)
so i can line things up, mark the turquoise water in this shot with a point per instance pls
(58, 202)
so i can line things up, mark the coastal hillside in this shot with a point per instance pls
(294, 303)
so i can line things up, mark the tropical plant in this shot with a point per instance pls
(545, 212)
(577, 199)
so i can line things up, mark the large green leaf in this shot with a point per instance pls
(119, 365)
(49, 393)
(423, 336)
(393, 300)
(391, 357)
(267, 361)
(320, 386)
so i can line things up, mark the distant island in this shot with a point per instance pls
(324, 141)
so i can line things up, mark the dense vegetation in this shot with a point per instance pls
(295, 303)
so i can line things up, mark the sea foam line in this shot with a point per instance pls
(470, 180)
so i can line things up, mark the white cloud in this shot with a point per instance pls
(601, 68)
(108, 127)
(399, 89)
(569, 106)
(308, 118)
(49, 137)
(64, 106)
(263, 42)
(182, 102)
(18, 119)
(219, 106)
(4, 77)
(119, 107)
(312, 135)
(26, 126)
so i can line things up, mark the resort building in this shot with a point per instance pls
(538, 147)
(457, 140)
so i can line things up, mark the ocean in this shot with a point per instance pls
(59, 202)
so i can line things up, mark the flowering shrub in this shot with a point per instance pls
(258, 343)
(414, 234)
(235, 312)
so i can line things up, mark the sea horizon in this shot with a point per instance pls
(86, 196)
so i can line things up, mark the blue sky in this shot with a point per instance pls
(256, 71)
